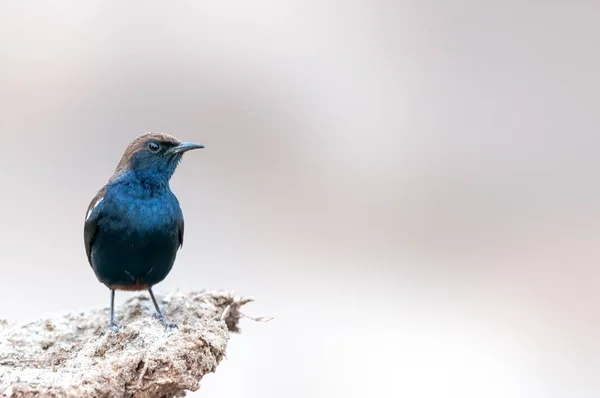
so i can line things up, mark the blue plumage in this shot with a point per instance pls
(134, 226)
(138, 233)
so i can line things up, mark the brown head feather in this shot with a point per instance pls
(140, 143)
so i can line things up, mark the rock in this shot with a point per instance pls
(67, 357)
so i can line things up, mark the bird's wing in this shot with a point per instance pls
(91, 222)
(180, 226)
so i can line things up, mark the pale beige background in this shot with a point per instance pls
(410, 187)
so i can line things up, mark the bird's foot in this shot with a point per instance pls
(112, 326)
(163, 320)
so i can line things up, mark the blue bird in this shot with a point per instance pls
(134, 225)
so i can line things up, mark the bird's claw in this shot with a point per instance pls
(158, 316)
(170, 325)
(161, 318)
(112, 326)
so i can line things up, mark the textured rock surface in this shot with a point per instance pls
(66, 357)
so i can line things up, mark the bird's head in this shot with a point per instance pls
(155, 154)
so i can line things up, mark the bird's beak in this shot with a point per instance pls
(184, 147)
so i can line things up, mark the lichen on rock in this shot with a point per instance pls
(66, 356)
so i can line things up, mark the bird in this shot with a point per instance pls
(134, 225)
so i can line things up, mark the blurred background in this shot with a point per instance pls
(409, 187)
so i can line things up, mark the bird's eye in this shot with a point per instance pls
(153, 146)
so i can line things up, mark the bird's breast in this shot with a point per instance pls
(156, 211)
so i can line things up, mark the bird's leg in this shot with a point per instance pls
(112, 325)
(158, 314)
